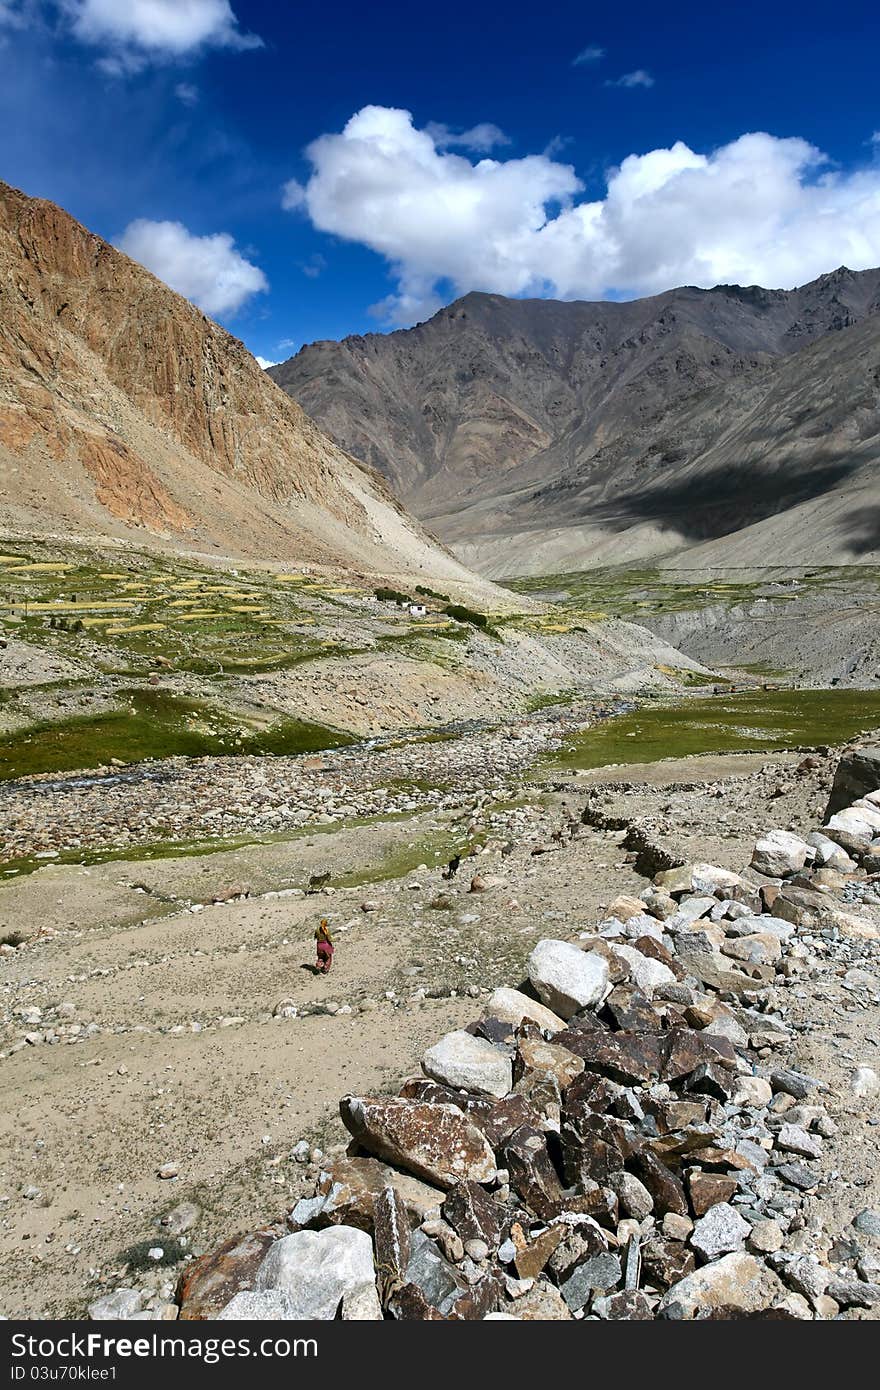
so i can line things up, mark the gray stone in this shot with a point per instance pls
(316, 1269)
(512, 1006)
(600, 1273)
(851, 1292)
(362, 1305)
(793, 1083)
(122, 1303)
(857, 774)
(720, 1232)
(806, 1275)
(793, 1139)
(438, 1280)
(766, 1237)
(646, 973)
(867, 1222)
(797, 1175)
(779, 853)
(735, 1281)
(180, 1219)
(268, 1305)
(753, 1091)
(633, 1196)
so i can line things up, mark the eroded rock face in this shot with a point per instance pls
(135, 410)
(435, 1142)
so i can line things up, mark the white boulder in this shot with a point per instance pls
(645, 973)
(258, 1305)
(316, 1269)
(567, 979)
(512, 1006)
(471, 1064)
(779, 853)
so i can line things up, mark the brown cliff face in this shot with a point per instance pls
(124, 410)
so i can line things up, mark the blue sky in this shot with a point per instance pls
(178, 129)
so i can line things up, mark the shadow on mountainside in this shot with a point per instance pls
(862, 530)
(719, 503)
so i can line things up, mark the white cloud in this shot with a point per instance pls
(758, 210)
(480, 138)
(206, 269)
(187, 93)
(639, 78)
(591, 54)
(133, 33)
(265, 362)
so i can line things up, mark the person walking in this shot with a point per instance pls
(324, 947)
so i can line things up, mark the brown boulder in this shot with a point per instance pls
(532, 1174)
(350, 1187)
(471, 1212)
(708, 1189)
(438, 1143)
(213, 1280)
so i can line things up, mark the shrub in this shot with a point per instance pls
(461, 614)
(392, 596)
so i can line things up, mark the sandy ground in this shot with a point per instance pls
(87, 1125)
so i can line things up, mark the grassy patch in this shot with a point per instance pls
(754, 720)
(549, 699)
(154, 724)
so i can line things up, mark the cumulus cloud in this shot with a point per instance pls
(758, 210)
(591, 54)
(206, 269)
(133, 33)
(639, 78)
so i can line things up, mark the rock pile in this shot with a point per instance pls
(621, 1139)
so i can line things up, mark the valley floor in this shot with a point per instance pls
(139, 1032)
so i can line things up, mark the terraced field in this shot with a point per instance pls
(87, 637)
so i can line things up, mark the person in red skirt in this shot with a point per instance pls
(324, 946)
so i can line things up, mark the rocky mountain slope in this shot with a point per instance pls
(571, 434)
(124, 411)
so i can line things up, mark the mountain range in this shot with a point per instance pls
(715, 427)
